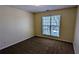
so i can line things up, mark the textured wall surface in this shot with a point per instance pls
(76, 38)
(15, 26)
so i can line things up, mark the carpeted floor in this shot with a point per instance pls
(39, 45)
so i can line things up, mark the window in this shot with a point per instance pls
(51, 25)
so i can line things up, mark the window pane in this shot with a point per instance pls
(46, 29)
(55, 25)
(55, 31)
(46, 25)
(46, 20)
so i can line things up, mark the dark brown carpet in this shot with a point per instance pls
(38, 45)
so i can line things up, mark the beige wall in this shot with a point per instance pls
(68, 18)
(15, 26)
(76, 37)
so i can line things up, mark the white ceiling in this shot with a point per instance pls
(40, 8)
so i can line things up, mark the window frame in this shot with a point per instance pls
(50, 27)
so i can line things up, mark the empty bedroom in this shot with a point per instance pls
(39, 29)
